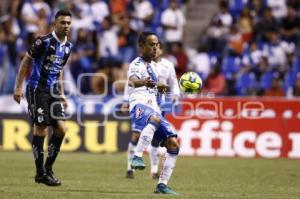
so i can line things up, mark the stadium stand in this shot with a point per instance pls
(104, 33)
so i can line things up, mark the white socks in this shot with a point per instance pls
(154, 159)
(168, 167)
(145, 139)
(130, 154)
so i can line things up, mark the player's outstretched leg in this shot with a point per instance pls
(144, 141)
(130, 154)
(168, 166)
(53, 150)
(39, 133)
(38, 153)
(154, 159)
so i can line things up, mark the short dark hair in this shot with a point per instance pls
(143, 36)
(63, 13)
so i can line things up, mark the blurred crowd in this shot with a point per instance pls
(104, 34)
(250, 47)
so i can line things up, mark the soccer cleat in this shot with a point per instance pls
(130, 174)
(164, 189)
(138, 163)
(154, 176)
(45, 179)
(52, 176)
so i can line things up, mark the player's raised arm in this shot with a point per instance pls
(18, 93)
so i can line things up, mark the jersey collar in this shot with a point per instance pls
(55, 36)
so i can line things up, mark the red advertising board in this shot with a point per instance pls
(232, 108)
(233, 127)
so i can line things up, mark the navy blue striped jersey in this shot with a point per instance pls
(49, 56)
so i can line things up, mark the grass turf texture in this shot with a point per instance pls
(103, 176)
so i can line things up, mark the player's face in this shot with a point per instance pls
(159, 52)
(63, 25)
(150, 47)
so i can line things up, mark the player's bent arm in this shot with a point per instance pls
(125, 93)
(20, 77)
(135, 81)
(125, 104)
(62, 90)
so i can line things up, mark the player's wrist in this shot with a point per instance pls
(17, 89)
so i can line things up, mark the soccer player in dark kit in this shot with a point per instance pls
(45, 94)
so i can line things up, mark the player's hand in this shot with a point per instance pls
(18, 94)
(149, 83)
(124, 107)
(162, 88)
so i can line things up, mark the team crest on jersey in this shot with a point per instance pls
(67, 50)
(38, 42)
(40, 110)
(134, 70)
(138, 112)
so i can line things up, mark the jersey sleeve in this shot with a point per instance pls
(36, 48)
(135, 69)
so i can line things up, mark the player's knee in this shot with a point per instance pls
(63, 130)
(155, 120)
(135, 138)
(173, 151)
(172, 146)
(40, 130)
(60, 130)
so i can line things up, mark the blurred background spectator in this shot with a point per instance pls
(238, 47)
(215, 82)
(173, 20)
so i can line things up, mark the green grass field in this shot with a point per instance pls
(90, 176)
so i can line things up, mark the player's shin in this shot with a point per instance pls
(145, 139)
(53, 150)
(154, 159)
(130, 154)
(168, 165)
(38, 153)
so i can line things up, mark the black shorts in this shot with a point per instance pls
(43, 108)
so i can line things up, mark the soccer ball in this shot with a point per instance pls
(190, 83)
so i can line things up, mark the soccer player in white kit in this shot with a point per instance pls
(167, 75)
(145, 112)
